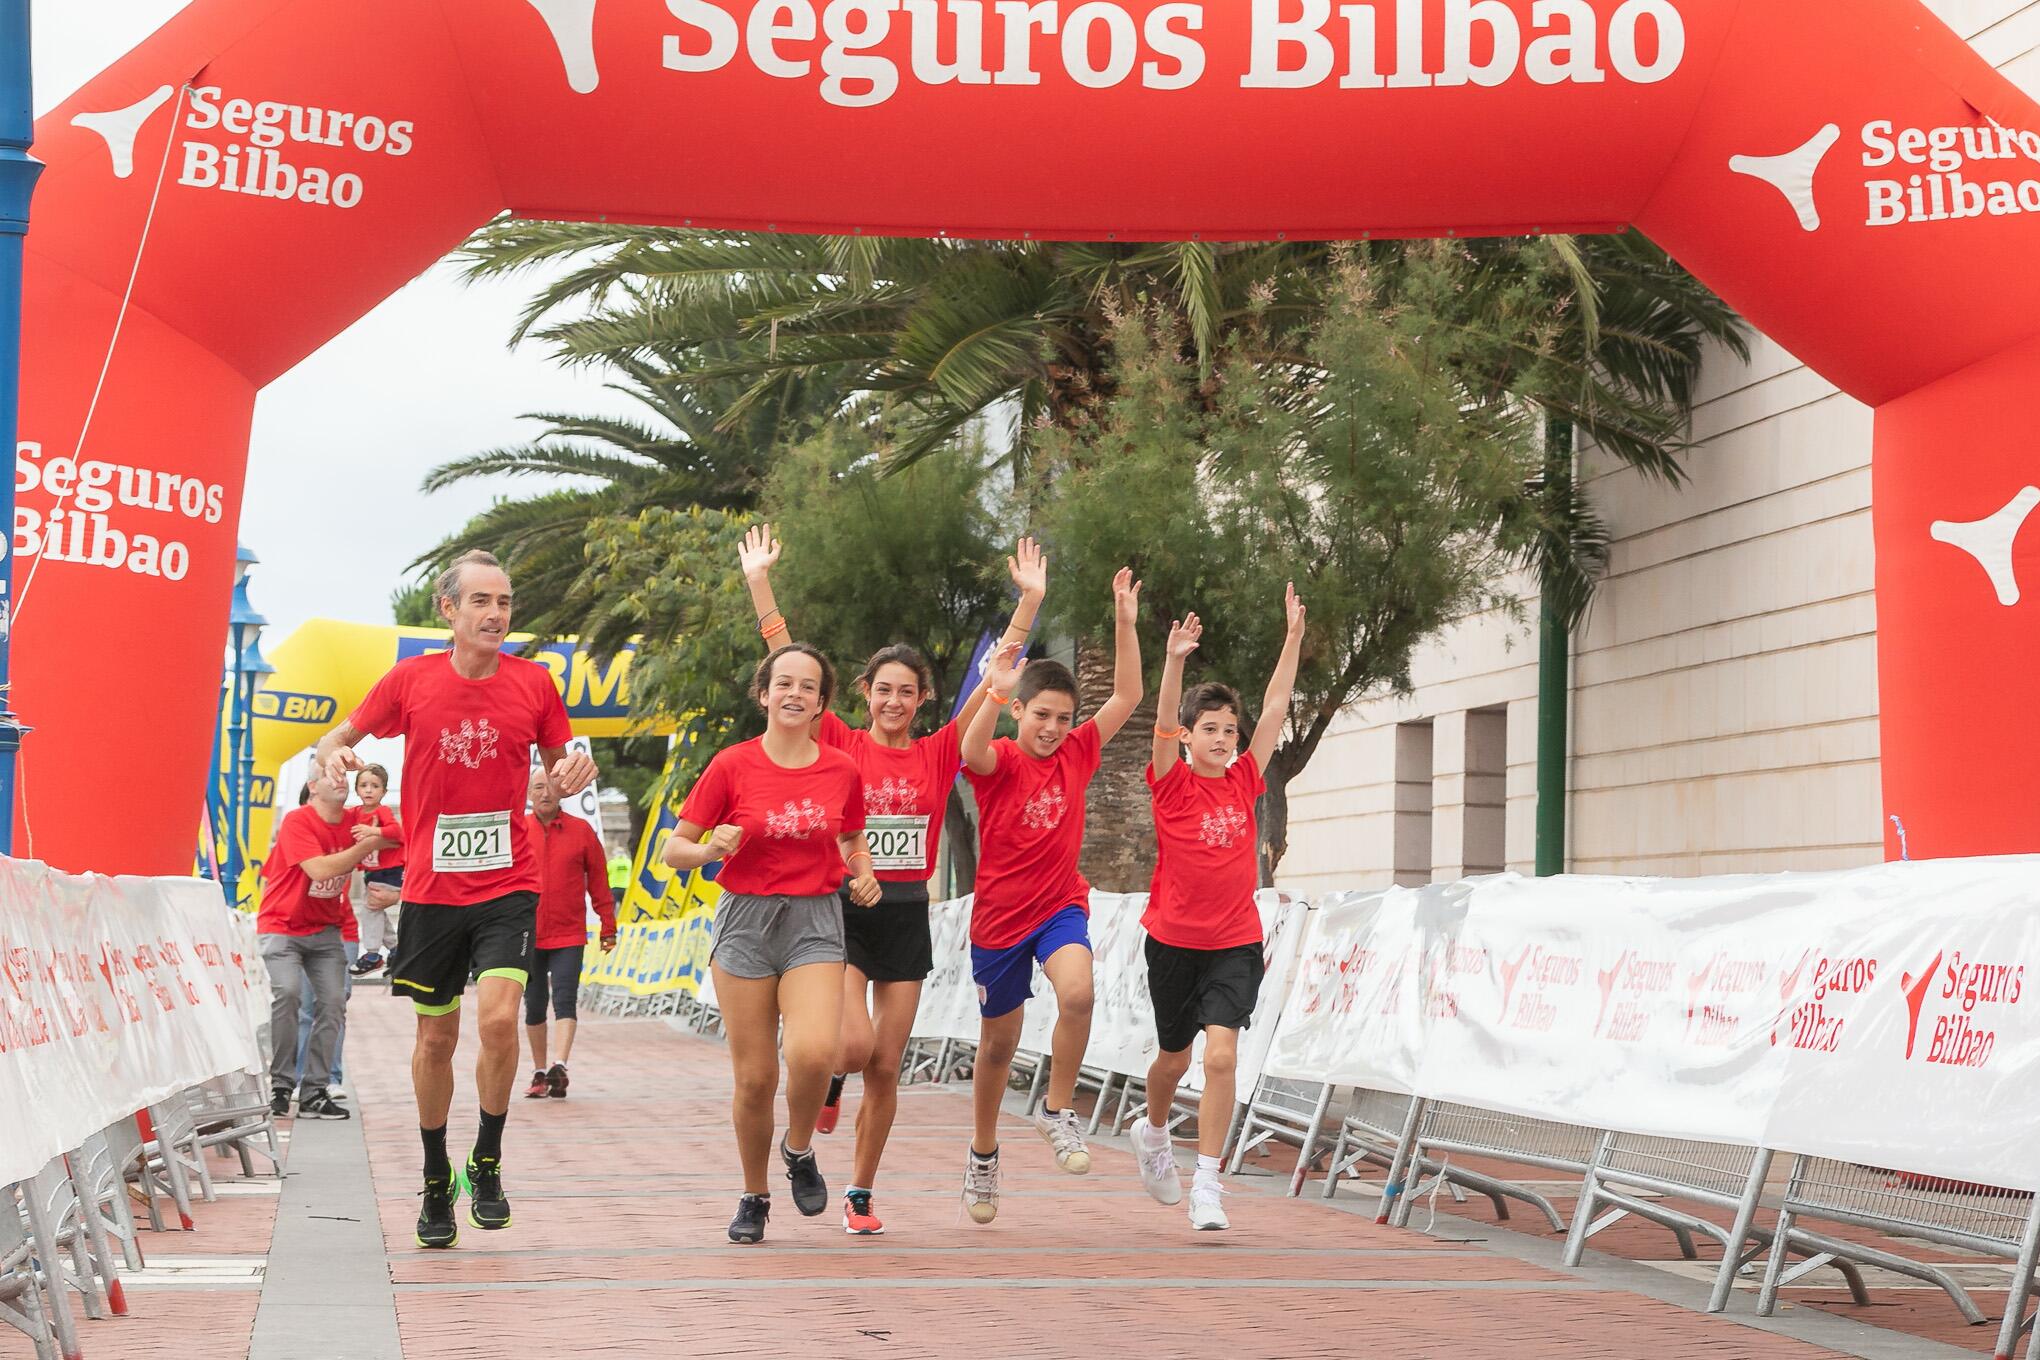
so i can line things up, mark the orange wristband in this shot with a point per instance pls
(1175, 733)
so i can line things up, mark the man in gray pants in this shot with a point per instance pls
(304, 893)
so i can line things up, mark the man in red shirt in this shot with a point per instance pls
(469, 718)
(304, 901)
(572, 873)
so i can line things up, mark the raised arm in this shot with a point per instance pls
(1127, 686)
(687, 851)
(1282, 684)
(1000, 678)
(1029, 570)
(1169, 701)
(756, 555)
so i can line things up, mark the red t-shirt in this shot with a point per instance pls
(467, 764)
(292, 902)
(790, 818)
(1202, 896)
(1030, 830)
(572, 870)
(906, 795)
(385, 822)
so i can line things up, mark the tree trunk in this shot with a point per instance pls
(1119, 833)
(959, 832)
(1273, 816)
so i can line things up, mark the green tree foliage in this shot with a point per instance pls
(1366, 473)
(411, 606)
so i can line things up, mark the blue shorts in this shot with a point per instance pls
(1005, 977)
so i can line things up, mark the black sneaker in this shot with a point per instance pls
(749, 1224)
(279, 1104)
(810, 1192)
(320, 1105)
(436, 1227)
(488, 1206)
(556, 1081)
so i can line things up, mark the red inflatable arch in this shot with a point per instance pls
(1846, 172)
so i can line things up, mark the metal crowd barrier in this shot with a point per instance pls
(1442, 1127)
(2000, 1223)
(1284, 1111)
(1374, 1128)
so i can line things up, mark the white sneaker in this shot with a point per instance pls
(1155, 1152)
(1060, 1132)
(981, 1188)
(1206, 1213)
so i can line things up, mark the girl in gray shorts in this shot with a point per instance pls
(785, 816)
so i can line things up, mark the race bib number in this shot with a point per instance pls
(471, 842)
(897, 842)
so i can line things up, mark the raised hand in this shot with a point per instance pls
(1184, 636)
(573, 773)
(1293, 607)
(1002, 672)
(1125, 597)
(759, 551)
(722, 842)
(1029, 569)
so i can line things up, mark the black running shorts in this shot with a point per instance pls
(439, 947)
(1192, 988)
(889, 942)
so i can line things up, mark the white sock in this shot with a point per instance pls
(1207, 1168)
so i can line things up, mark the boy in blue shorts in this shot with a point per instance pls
(1032, 903)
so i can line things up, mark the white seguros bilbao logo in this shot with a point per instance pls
(1098, 44)
(265, 148)
(1962, 172)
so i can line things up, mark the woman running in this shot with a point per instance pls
(907, 780)
(785, 815)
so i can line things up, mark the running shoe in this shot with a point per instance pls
(810, 1192)
(279, 1104)
(436, 1227)
(832, 1108)
(320, 1105)
(539, 1087)
(366, 964)
(858, 1220)
(749, 1224)
(1207, 1214)
(556, 1081)
(981, 1187)
(1156, 1153)
(1060, 1132)
(488, 1206)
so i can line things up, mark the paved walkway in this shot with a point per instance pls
(622, 1192)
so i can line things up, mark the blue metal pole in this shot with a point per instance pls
(18, 171)
(236, 718)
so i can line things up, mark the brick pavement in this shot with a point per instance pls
(622, 1193)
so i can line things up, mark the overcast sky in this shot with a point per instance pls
(422, 378)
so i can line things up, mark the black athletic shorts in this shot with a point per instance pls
(889, 942)
(558, 972)
(1192, 988)
(440, 947)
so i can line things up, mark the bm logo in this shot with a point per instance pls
(284, 706)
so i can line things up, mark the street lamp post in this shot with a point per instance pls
(244, 627)
(18, 172)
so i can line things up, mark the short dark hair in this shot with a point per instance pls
(899, 654)
(1210, 697)
(761, 679)
(379, 772)
(1042, 676)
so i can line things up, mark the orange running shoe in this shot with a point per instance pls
(858, 1220)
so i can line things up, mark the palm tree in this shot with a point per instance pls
(1602, 335)
(681, 452)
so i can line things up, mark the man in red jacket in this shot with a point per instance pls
(573, 872)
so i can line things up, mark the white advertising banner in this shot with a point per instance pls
(1876, 1015)
(1283, 921)
(119, 992)
(949, 997)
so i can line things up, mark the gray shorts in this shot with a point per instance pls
(759, 937)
